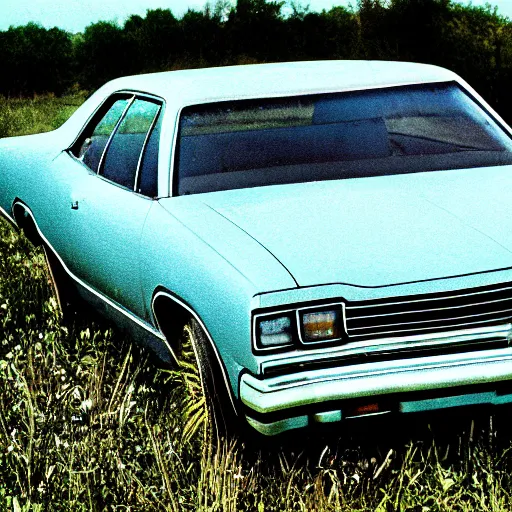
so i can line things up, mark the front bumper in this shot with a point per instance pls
(294, 400)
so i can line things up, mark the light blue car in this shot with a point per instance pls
(337, 235)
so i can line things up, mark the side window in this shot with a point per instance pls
(147, 182)
(94, 139)
(124, 152)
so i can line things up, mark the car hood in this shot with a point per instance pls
(380, 231)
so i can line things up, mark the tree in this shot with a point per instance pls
(255, 28)
(202, 37)
(102, 54)
(34, 59)
(156, 40)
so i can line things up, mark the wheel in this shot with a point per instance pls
(208, 402)
(63, 287)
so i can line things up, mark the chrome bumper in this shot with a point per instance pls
(307, 389)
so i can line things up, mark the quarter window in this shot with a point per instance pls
(124, 152)
(94, 140)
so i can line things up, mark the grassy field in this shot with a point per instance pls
(87, 422)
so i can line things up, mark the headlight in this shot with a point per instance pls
(277, 331)
(299, 327)
(321, 325)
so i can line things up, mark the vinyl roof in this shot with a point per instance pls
(206, 85)
(281, 79)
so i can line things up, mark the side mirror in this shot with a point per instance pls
(83, 149)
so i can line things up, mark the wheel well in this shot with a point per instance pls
(26, 223)
(171, 317)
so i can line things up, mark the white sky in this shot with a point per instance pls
(75, 15)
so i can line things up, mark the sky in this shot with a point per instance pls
(75, 15)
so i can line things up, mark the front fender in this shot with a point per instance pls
(174, 258)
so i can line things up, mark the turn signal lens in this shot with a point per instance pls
(275, 332)
(321, 325)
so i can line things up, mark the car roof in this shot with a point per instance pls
(187, 87)
(206, 85)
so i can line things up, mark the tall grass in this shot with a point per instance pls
(23, 116)
(87, 422)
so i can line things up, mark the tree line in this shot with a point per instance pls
(475, 42)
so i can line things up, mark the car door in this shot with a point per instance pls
(106, 184)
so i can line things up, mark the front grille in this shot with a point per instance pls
(429, 313)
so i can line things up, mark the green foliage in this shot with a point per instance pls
(255, 28)
(35, 60)
(40, 114)
(102, 54)
(472, 40)
(141, 35)
(87, 422)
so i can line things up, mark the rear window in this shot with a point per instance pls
(241, 144)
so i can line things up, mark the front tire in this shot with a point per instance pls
(197, 355)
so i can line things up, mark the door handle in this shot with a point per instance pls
(74, 205)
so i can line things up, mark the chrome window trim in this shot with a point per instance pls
(112, 133)
(128, 92)
(88, 121)
(76, 159)
(141, 155)
(174, 154)
(115, 184)
(110, 182)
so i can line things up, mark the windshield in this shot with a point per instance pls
(240, 144)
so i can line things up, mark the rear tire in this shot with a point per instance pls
(63, 287)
